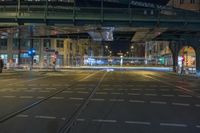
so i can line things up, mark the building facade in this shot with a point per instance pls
(62, 52)
(158, 53)
(193, 5)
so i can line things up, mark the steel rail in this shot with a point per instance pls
(28, 107)
(69, 123)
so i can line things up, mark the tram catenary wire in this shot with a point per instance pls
(36, 103)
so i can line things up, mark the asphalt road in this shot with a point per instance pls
(99, 102)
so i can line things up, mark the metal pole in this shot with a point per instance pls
(102, 12)
(31, 45)
(74, 11)
(19, 46)
(18, 7)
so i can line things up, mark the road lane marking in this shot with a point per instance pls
(31, 84)
(107, 121)
(197, 126)
(101, 93)
(57, 98)
(135, 89)
(173, 125)
(9, 96)
(138, 122)
(168, 95)
(116, 93)
(117, 100)
(158, 102)
(26, 97)
(134, 94)
(181, 104)
(184, 96)
(22, 116)
(96, 99)
(80, 120)
(29, 90)
(149, 89)
(107, 89)
(164, 89)
(150, 94)
(44, 84)
(76, 98)
(136, 101)
(44, 91)
(45, 117)
(197, 105)
(67, 92)
(51, 88)
(40, 97)
(82, 92)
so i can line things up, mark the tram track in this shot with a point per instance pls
(13, 114)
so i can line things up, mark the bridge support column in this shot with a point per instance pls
(198, 61)
(175, 47)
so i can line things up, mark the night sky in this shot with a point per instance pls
(117, 46)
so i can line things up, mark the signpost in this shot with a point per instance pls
(31, 53)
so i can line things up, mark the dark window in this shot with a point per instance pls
(15, 44)
(70, 46)
(182, 1)
(60, 44)
(47, 43)
(3, 44)
(192, 1)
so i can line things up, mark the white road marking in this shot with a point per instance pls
(164, 89)
(23, 116)
(108, 121)
(67, 92)
(149, 89)
(63, 118)
(117, 100)
(107, 89)
(82, 92)
(181, 104)
(51, 88)
(80, 119)
(44, 91)
(29, 90)
(116, 93)
(197, 105)
(57, 98)
(150, 94)
(40, 97)
(96, 99)
(45, 117)
(36, 88)
(9, 96)
(135, 89)
(136, 101)
(102, 93)
(168, 95)
(76, 98)
(138, 122)
(134, 94)
(31, 84)
(184, 96)
(56, 85)
(173, 125)
(44, 84)
(26, 97)
(158, 102)
(197, 126)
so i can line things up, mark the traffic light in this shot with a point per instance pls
(31, 52)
